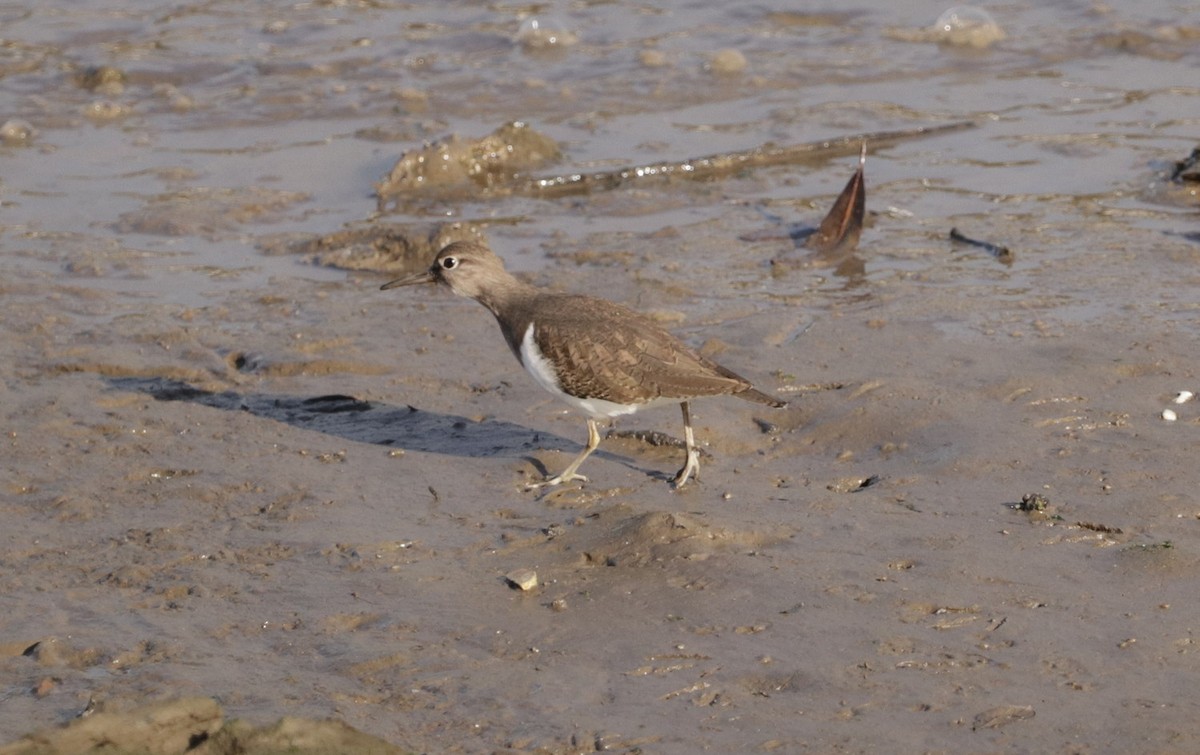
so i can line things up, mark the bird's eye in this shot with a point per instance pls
(449, 263)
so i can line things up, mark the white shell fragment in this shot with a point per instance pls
(525, 579)
(1169, 415)
(1184, 397)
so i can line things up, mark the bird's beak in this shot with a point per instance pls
(425, 276)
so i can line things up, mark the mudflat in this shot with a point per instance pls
(235, 470)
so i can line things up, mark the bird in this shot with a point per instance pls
(601, 358)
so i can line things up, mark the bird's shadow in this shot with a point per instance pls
(404, 427)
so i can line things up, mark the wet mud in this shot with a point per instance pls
(240, 479)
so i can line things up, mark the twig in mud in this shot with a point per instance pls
(1102, 528)
(1003, 254)
(724, 164)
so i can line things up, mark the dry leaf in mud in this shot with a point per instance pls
(840, 229)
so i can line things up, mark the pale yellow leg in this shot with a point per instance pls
(691, 468)
(568, 474)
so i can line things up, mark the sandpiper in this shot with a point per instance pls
(599, 357)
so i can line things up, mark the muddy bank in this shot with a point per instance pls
(193, 725)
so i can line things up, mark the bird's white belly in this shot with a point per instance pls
(543, 373)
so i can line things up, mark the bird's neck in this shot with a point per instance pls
(506, 296)
(513, 305)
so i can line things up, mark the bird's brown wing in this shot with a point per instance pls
(630, 359)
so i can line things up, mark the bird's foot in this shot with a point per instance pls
(690, 471)
(555, 480)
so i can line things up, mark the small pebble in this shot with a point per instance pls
(103, 79)
(45, 686)
(524, 579)
(1169, 415)
(1184, 397)
(1033, 502)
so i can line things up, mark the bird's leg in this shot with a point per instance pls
(691, 467)
(568, 474)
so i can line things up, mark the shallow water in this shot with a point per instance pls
(182, 522)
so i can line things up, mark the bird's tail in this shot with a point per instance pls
(748, 391)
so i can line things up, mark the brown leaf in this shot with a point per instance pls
(840, 229)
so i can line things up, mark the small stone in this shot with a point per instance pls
(1184, 397)
(767, 427)
(522, 579)
(1033, 502)
(1169, 415)
(104, 79)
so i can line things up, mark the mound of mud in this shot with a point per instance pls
(194, 725)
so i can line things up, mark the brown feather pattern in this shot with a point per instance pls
(630, 361)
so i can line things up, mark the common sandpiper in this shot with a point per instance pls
(601, 358)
